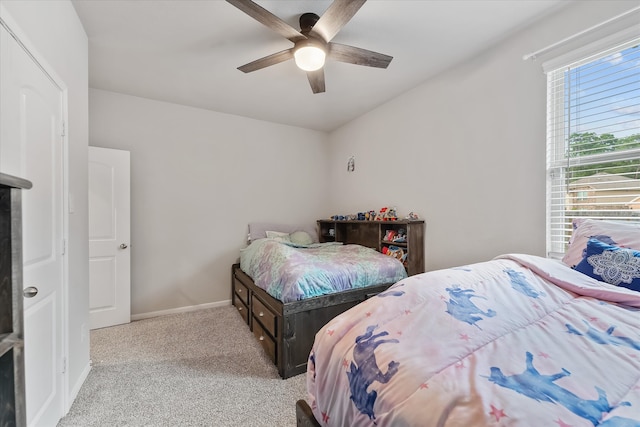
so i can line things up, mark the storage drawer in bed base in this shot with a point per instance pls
(242, 309)
(265, 340)
(241, 291)
(267, 318)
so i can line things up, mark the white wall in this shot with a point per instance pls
(57, 34)
(466, 150)
(197, 179)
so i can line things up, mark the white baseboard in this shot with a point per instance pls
(187, 309)
(73, 392)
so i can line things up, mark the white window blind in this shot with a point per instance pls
(593, 142)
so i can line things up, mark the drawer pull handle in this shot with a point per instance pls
(261, 314)
(239, 290)
(239, 308)
(261, 338)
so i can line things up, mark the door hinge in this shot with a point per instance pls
(64, 128)
(64, 246)
(64, 365)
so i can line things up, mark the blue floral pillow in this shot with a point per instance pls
(611, 264)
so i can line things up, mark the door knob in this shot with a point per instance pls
(30, 292)
(123, 246)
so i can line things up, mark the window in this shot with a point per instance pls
(593, 141)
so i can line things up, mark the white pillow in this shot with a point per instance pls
(624, 234)
(258, 230)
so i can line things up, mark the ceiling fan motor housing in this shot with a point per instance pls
(309, 53)
(307, 21)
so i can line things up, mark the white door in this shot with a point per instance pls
(31, 147)
(109, 231)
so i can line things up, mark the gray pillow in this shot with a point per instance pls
(300, 238)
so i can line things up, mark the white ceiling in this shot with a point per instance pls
(187, 52)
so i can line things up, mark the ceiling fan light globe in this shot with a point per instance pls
(309, 58)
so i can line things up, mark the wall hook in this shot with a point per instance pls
(351, 164)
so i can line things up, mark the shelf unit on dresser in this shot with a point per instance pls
(12, 397)
(371, 234)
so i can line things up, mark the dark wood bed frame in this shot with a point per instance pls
(287, 331)
(304, 415)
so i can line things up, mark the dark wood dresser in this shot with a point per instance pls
(12, 396)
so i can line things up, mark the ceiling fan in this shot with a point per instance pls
(312, 44)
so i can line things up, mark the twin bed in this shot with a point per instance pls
(288, 285)
(518, 340)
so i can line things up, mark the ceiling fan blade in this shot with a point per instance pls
(335, 17)
(267, 18)
(272, 59)
(358, 56)
(316, 80)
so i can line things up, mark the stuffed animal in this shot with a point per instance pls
(382, 214)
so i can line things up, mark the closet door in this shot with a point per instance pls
(31, 147)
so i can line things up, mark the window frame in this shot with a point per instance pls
(558, 132)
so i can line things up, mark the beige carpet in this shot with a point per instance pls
(202, 368)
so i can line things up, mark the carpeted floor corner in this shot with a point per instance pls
(202, 368)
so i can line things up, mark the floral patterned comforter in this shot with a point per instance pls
(516, 341)
(294, 272)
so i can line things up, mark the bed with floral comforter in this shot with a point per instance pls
(292, 272)
(516, 341)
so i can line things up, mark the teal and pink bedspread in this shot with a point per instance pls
(291, 272)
